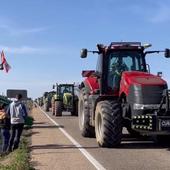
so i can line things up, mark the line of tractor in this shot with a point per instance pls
(62, 98)
(121, 92)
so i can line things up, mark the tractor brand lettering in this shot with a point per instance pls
(165, 123)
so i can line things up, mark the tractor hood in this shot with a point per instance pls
(138, 78)
(142, 78)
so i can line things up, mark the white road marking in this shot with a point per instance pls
(95, 163)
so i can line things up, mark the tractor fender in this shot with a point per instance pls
(91, 83)
(84, 84)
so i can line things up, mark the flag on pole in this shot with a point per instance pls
(5, 64)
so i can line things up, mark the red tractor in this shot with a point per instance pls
(123, 93)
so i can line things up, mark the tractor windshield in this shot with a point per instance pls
(119, 61)
(66, 89)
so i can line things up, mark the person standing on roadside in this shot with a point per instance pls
(5, 128)
(18, 113)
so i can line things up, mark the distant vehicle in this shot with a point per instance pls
(47, 97)
(65, 100)
(40, 101)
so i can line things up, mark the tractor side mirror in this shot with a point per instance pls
(83, 53)
(159, 74)
(167, 53)
(53, 86)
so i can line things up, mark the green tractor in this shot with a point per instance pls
(47, 100)
(4, 100)
(40, 101)
(65, 99)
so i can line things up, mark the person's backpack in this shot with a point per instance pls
(3, 117)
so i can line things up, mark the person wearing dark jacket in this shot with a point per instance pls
(5, 127)
(18, 113)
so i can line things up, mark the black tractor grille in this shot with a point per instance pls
(146, 94)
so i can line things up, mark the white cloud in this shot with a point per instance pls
(22, 50)
(18, 31)
(57, 50)
(23, 31)
(34, 30)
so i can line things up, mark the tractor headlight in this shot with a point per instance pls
(138, 106)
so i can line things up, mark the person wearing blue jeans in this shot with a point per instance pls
(18, 113)
(16, 131)
(5, 128)
(5, 142)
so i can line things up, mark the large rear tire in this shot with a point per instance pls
(108, 123)
(84, 115)
(58, 108)
(53, 107)
(46, 106)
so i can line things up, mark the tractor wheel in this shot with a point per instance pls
(75, 108)
(58, 108)
(108, 123)
(46, 108)
(53, 108)
(84, 115)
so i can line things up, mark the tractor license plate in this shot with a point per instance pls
(165, 124)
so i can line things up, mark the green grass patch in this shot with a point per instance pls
(20, 158)
(29, 122)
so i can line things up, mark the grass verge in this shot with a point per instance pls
(20, 158)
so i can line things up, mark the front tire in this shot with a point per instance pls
(84, 115)
(108, 123)
(75, 108)
(58, 108)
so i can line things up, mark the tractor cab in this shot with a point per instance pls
(120, 58)
(64, 88)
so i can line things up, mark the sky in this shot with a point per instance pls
(42, 39)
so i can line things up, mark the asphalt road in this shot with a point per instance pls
(133, 154)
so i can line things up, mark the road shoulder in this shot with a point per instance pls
(50, 149)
